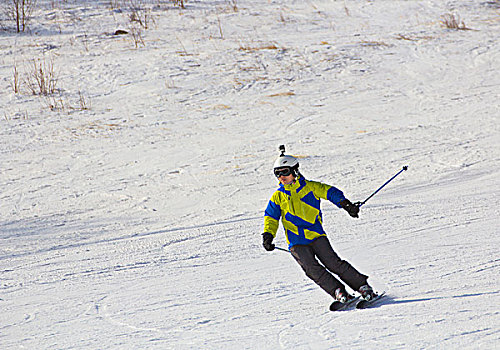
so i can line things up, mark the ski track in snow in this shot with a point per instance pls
(136, 223)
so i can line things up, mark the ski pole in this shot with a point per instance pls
(359, 204)
(282, 249)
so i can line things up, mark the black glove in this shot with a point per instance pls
(352, 209)
(268, 241)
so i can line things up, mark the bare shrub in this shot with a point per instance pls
(54, 103)
(184, 51)
(170, 84)
(114, 4)
(347, 12)
(140, 14)
(179, 3)
(233, 4)
(136, 35)
(85, 41)
(41, 78)
(452, 21)
(60, 103)
(282, 17)
(16, 84)
(220, 28)
(20, 11)
(83, 102)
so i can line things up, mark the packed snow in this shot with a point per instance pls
(132, 194)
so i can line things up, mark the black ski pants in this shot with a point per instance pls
(322, 274)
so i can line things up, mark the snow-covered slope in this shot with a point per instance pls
(131, 212)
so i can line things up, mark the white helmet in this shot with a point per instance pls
(286, 161)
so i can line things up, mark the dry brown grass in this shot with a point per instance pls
(140, 14)
(413, 38)
(61, 103)
(137, 38)
(16, 84)
(180, 3)
(287, 93)
(270, 46)
(452, 21)
(41, 78)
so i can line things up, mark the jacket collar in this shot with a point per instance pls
(299, 182)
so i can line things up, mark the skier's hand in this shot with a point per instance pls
(267, 241)
(352, 209)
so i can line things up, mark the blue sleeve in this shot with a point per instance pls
(273, 210)
(271, 218)
(335, 196)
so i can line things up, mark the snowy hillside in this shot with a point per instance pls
(132, 193)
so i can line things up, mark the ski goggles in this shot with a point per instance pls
(282, 172)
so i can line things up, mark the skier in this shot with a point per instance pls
(297, 203)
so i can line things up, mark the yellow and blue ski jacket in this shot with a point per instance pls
(298, 206)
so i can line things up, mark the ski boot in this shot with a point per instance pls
(343, 300)
(342, 296)
(367, 292)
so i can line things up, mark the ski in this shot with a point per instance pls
(363, 304)
(338, 306)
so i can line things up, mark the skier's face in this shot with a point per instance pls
(286, 180)
(285, 175)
